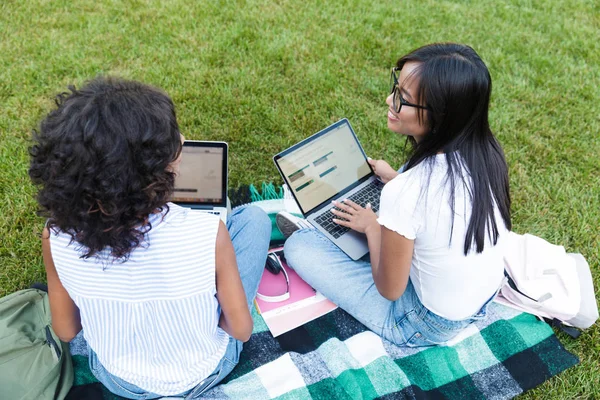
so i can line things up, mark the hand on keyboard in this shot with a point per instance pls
(370, 194)
(354, 216)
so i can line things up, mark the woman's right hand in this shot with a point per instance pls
(382, 169)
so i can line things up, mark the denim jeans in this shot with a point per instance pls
(350, 285)
(250, 231)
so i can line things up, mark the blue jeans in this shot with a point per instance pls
(250, 231)
(350, 285)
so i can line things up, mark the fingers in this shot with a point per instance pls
(352, 204)
(348, 206)
(344, 205)
(373, 164)
(342, 222)
(346, 213)
(341, 214)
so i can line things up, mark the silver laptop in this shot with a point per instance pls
(331, 165)
(202, 181)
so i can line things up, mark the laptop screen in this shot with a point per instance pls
(323, 165)
(202, 176)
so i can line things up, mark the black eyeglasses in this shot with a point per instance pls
(397, 100)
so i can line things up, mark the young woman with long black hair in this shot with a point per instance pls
(436, 249)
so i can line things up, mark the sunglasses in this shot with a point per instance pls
(397, 100)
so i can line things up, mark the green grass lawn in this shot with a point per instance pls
(262, 75)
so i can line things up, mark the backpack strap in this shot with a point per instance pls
(514, 287)
(555, 322)
(39, 286)
(569, 330)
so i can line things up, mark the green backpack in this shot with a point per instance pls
(34, 363)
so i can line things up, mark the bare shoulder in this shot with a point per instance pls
(47, 252)
(46, 240)
(224, 252)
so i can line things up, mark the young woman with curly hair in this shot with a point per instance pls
(162, 293)
(436, 248)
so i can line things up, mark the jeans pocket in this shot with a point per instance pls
(119, 384)
(115, 384)
(203, 386)
(409, 334)
(212, 380)
(418, 340)
(423, 328)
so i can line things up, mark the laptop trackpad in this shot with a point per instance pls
(354, 244)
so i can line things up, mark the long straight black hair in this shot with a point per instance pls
(455, 85)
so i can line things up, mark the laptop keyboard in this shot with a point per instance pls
(369, 194)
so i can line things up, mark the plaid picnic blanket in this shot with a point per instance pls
(336, 357)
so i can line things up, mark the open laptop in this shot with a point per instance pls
(202, 181)
(331, 165)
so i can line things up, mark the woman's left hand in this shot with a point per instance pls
(355, 216)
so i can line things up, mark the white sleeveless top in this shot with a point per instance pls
(152, 320)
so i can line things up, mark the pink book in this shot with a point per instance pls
(304, 304)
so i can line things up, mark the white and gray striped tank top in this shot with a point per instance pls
(152, 320)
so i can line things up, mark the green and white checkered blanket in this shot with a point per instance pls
(336, 357)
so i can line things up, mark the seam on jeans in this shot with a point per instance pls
(399, 321)
(137, 395)
(211, 384)
(422, 312)
(432, 321)
(233, 364)
(453, 326)
(303, 230)
(379, 327)
(397, 324)
(236, 353)
(483, 311)
(425, 323)
(411, 342)
(386, 326)
(219, 373)
(422, 331)
(316, 233)
(94, 369)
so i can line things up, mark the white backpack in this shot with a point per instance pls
(544, 280)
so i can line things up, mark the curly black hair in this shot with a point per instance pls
(102, 161)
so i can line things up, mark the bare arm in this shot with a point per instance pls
(66, 322)
(390, 252)
(391, 271)
(235, 316)
(373, 233)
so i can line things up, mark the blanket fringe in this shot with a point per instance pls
(268, 192)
